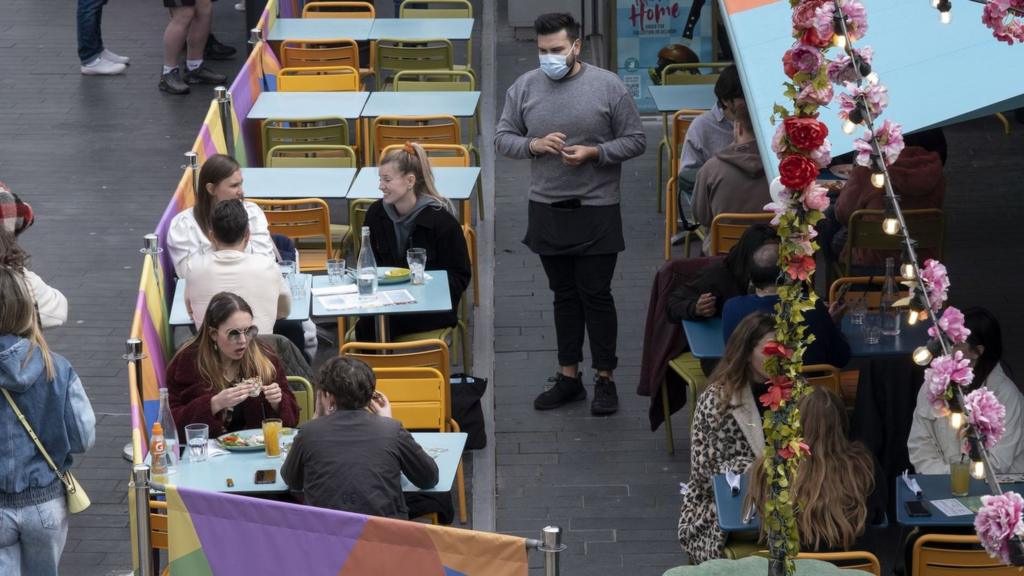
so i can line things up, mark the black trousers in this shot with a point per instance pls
(582, 287)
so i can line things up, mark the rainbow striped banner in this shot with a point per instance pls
(258, 75)
(149, 325)
(227, 535)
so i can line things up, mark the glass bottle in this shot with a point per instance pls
(366, 268)
(166, 420)
(890, 314)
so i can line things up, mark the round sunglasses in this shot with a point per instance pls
(235, 334)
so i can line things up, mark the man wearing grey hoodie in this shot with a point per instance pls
(733, 180)
(577, 124)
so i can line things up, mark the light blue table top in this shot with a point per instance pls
(422, 28)
(179, 313)
(705, 337)
(937, 487)
(320, 29)
(456, 184)
(295, 105)
(297, 182)
(669, 99)
(212, 474)
(432, 296)
(421, 104)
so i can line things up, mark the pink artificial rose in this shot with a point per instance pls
(856, 18)
(986, 414)
(998, 519)
(815, 197)
(944, 370)
(779, 140)
(952, 324)
(822, 155)
(936, 280)
(814, 95)
(800, 267)
(864, 149)
(803, 58)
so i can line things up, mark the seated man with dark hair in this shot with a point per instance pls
(829, 346)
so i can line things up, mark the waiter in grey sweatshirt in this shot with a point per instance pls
(578, 124)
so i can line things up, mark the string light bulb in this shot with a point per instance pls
(878, 179)
(890, 225)
(855, 117)
(849, 127)
(908, 271)
(922, 356)
(956, 419)
(872, 78)
(839, 30)
(945, 7)
(978, 469)
(935, 3)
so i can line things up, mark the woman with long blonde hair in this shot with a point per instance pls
(727, 434)
(225, 378)
(414, 214)
(839, 489)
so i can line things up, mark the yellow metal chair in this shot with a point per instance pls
(311, 156)
(354, 10)
(822, 375)
(438, 81)
(442, 9)
(727, 228)
(316, 53)
(395, 55)
(302, 218)
(319, 79)
(673, 142)
(867, 287)
(327, 131)
(688, 368)
(420, 353)
(864, 232)
(397, 130)
(304, 397)
(852, 560)
(955, 555)
(421, 400)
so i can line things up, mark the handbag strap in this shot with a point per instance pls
(32, 434)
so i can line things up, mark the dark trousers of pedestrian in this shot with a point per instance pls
(582, 287)
(90, 38)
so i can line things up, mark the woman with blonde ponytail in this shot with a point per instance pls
(413, 214)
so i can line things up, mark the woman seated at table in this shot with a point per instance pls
(829, 346)
(225, 378)
(933, 443)
(352, 456)
(727, 433)
(413, 214)
(839, 487)
(220, 179)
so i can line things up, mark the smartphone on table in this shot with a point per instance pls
(266, 476)
(916, 509)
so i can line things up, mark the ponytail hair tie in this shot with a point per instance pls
(409, 149)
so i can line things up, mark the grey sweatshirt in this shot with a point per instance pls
(592, 108)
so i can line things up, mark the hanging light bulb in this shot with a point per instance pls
(945, 14)
(978, 469)
(872, 78)
(956, 419)
(945, 17)
(890, 225)
(912, 317)
(839, 30)
(855, 117)
(908, 271)
(849, 127)
(935, 3)
(922, 356)
(878, 179)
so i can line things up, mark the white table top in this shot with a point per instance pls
(422, 28)
(297, 182)
(320, 29)
(694, 96)
(420, 104)
(294, 105)
(179, 313)
(456, 184)
(432, 296)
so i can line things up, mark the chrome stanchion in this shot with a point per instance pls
(255, 36)
(192, 161)
(551, 545)
(133, 353)
(140, 483)
(224, 106)
(151, 245)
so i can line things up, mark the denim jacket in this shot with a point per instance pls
(58, 411)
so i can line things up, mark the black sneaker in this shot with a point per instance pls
(215, 50)
(563, 391)
(606, 399)
(172, 84)
(204, 75)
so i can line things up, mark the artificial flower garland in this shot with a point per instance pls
(1005, 19)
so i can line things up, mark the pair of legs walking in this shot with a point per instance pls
(583, 305)
(189, 28)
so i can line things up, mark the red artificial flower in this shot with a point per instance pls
(788, 65)
(807, 134)
(797, 172)
(800, 267)
(788, 452)
(774, 397)
(803, 14)
(810, 36)
(782, 381)
(777, 349)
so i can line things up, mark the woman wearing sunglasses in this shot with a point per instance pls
(225, 378)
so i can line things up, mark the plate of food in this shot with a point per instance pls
(392, 275)
(242, 441)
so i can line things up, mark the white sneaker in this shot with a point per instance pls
(102, 67)
(115, 58)
(240, 6)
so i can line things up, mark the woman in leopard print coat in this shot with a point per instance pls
(726, 434)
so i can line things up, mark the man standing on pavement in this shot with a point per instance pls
(577, 123)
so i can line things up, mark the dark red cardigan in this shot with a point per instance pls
(189, 397)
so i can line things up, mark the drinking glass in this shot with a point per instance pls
(872, 329)
(335, 271)
(858, 310)
(291, 275)
(417, 258)
(198, 437)
(959, 478)
(272, 437)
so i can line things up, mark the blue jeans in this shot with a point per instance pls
(90, 38)
(32, 538)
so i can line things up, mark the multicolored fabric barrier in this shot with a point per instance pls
(227, 535)
(258, 75)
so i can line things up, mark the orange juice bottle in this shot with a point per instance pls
(157, 450)
(272, 437)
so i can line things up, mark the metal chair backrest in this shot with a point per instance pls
(353, 10)
(955, 555)
(319, 79)
(416, 353)
(304, 397)
(311, 156)
(357, 208)
(391, 130)
(301, 218)
(440, 155)
(822, 375)
(727, 228)
(852, 560)
(681, 122)
(867, 287)
(396, 54)
(864, 232)
(304, 132)
(436, 9)
(419, 396)
(433, 81)
(689, 73)
(316, 53)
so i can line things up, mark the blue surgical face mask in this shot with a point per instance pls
(556, 66)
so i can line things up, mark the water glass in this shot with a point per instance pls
(417, 258)
(272, 437)
(198, 437)
(858, 310)
(872, 329)
(335, 271)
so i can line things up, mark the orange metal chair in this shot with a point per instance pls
(320, 79)
(822, 375)
(852, 560)
(955, 555)
(316, 53)
(302, 218)
(354, 10)
(681, 122)
(425, 130)
(727, 228)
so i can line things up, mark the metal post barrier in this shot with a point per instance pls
(255, 36)
(140, 483)
(551, 545)
(192, 161)
(151, 245)
(133, 353)
(224, 105)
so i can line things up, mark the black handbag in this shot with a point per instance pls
(466, 409)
